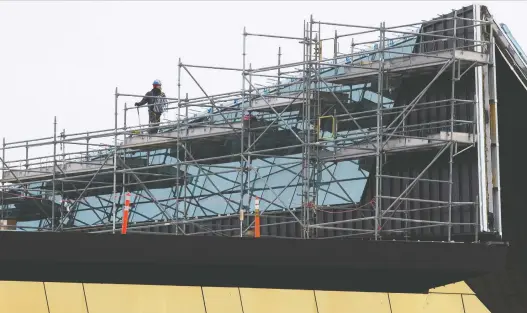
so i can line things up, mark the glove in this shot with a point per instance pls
(137, 104)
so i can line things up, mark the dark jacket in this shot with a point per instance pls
(155, 92)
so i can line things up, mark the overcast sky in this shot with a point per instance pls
(65, 59)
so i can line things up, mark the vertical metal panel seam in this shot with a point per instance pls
(463, 303)
(203, 298)
(85, 298)
(241, 300)
(46, 296)
(315, 297)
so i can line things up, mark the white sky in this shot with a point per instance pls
(65, 59)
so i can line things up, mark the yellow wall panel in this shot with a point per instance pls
(277, 301)
(69, 298)
(407, 303)
(65, 298)
(222, 300)
(429, 303)
(473, 305)
(352, 302)
(22, 297)
(460, 288)
(104, 298)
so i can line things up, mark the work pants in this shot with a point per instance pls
(153, 119)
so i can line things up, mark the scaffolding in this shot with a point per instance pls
(331, 124)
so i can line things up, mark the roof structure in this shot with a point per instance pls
(411, 135)
(380, 141)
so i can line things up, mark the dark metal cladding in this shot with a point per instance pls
(437, 112)
(275, 224)
(506, 291)
(465, 170)
(464, 29)
(441, 89)
(464, 189)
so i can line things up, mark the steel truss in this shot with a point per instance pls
(314, 135)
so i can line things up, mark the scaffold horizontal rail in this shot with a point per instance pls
(295, 100)
(152, 178)
(78, 168)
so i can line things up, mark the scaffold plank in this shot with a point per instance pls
(213, 132)
(169, 139)
(75, 177)
(407, 64)
(397, 145)
(13, 175)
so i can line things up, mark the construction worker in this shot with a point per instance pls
(155, 105)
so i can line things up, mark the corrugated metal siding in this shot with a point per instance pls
(439, 113)
(464, 189)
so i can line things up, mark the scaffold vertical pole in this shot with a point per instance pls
(3, 171)
(63, 143)
(27, 155)
(124, 157)
(178, 142)
(186, 204)
(317, 168)
(305, 120)
(54, 173)
(378, 153)
(335, 51)
(248, 160)
(87, 146)
(279, 69)
(242, 104)
(451, 152)
(114, 196)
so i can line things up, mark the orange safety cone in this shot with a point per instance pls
(257, 217)
(125, 213)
